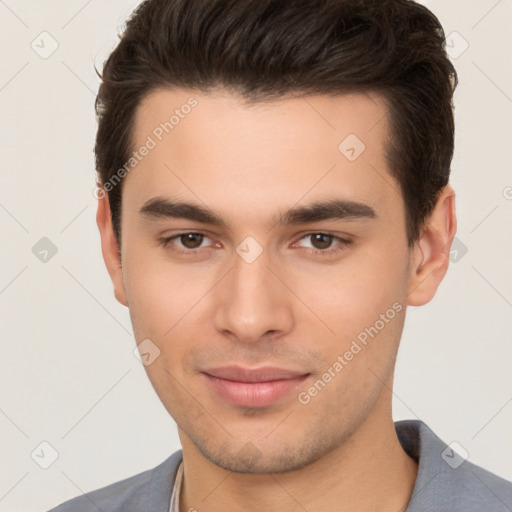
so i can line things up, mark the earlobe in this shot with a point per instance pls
(430, 255)
(110, 249)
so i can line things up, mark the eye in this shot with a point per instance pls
(191, 240)
(184, 243)
(322, 243)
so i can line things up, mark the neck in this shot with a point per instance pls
(368, 471)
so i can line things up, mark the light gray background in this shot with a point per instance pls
(68, 374)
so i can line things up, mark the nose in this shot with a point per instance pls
(253, 303)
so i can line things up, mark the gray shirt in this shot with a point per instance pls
(445, 482)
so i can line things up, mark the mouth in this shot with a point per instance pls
(253, 387)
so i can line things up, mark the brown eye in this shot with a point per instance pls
(321, 240)
(324, 244)
(191, 240)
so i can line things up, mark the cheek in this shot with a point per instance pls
(160, 294)
(362, 301)
(165, 304)
(359, 360)
(352, 294)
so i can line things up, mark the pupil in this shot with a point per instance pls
(321, 240)
(191, 240)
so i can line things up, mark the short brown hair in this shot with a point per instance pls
(265, 49)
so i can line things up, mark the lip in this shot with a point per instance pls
(259, 387)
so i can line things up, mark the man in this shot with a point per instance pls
(274, 192)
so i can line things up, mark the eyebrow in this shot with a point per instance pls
(159, 208)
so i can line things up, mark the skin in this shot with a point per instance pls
(290, 307)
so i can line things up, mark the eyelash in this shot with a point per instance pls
(166, 241)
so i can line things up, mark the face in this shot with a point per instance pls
(265, 237)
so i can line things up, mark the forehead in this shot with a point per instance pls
(214, 146)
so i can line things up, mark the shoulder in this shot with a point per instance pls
(446, 479)
(149, 490)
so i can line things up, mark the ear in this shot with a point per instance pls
(430, 254)
(110, 248)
